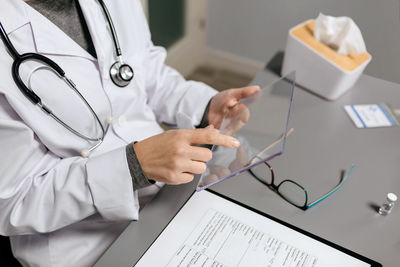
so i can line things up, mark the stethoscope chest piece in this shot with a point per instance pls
(121, 74)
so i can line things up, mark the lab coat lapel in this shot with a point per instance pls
(100, 33)
(13, 15)
(51, 40)
(48, 38)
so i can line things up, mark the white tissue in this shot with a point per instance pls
(339, 33)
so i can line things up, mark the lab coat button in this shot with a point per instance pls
(121, 120)
(109, 119)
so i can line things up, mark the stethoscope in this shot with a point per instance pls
(121, 74)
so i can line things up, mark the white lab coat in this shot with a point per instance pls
(61, 209)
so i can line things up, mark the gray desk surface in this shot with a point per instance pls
(324, 142)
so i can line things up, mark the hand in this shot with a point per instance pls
(240, 161)
(218, 172)
(226, 104)
(173, 158)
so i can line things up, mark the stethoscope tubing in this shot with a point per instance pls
(14, 54)
(73, 87)
(112, 29)
(36, 100)
(33, 97)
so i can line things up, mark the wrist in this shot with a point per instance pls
(205, 119)
(139, 177)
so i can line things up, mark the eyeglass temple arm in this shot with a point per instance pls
(258, 156)
(333, 190)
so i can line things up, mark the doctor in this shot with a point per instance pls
(63, 198)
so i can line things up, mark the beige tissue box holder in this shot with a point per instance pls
(318, 67)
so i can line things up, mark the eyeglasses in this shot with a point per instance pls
(288, 189)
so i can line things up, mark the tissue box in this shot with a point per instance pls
(318, 67)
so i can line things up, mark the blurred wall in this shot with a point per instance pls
(166, 21)
(257, 29)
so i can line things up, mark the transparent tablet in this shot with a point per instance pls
(260, 123)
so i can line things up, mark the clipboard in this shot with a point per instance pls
(190, 239)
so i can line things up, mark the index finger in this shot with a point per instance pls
(212, 137)
(244, 92)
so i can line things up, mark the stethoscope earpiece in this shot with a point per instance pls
(121, 74)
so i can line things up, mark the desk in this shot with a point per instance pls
(324, 142)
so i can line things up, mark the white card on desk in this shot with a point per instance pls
(368, 116)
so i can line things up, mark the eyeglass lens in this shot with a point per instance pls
(289, 190)
(293, 193)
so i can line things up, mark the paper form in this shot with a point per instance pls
(212, 231)
(221, 240)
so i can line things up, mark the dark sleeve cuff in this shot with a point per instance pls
(139, 179)
(204, 120)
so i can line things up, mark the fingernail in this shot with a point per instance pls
(235, 143)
